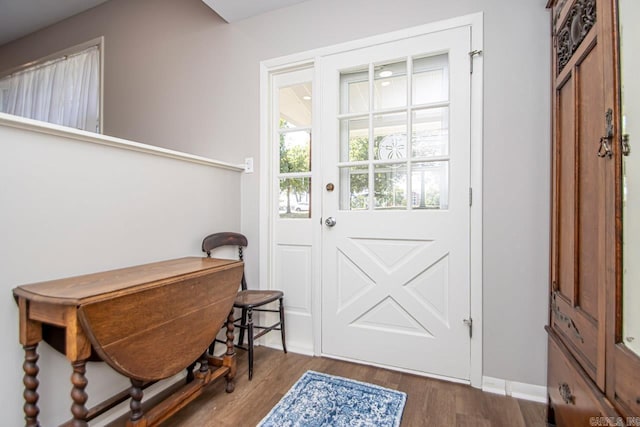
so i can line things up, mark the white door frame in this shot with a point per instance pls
(310, 58)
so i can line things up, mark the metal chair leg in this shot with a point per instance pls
(282, 335)
(250, 339)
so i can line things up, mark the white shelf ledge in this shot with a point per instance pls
(95, 138)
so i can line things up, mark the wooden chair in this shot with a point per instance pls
(248, 300)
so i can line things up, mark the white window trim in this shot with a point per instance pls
(310, 59)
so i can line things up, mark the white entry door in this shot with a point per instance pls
(396, 253)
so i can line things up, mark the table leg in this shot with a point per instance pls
(78, 395)
(136, 401)
(30, 380)
(230, 356)
(204, 365)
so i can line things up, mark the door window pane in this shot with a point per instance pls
(430, 79)
(295, 152)
(390, 136)
(430, 185)
(295, 198)
(355, 140)
(430, 134)
(354, 188)
(355, 91)
(390, 186)
(295, 106)
(390, 86)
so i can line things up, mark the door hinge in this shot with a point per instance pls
(469, 323)
(626, 147)
(472, 54)
(470, 196)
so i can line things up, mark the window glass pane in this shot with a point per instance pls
(430, 135)
(354, 140)
(295, 106)
(390, 186)
(354, 188)
(430, 185)
(64, 91)
(354, 91)
(390, 86)
(430, 80)
(390, 136)
(295, 152)
(295, 198)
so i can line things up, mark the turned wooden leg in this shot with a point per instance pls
(203, 371)
(31, 383)
(230, 356)
(78, 395)
(136, 400)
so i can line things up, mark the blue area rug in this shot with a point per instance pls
(318, 399)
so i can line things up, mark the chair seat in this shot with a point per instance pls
(253, 298)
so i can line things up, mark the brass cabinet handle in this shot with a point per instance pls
(605, 142)
(605, 149)
(565, 393)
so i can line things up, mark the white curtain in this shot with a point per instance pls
(64, 91)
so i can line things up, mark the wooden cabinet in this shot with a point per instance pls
(575, 398)
(590, 374)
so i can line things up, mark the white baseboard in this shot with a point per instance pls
(535, 393)
(291, 348)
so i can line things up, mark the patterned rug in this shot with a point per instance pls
(318, 399)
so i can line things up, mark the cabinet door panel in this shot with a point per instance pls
(580, 211)
(590, 114)
(566, 159)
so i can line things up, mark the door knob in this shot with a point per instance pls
(330, 222)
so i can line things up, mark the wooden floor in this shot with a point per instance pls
(429, 402)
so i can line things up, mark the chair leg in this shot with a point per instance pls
(282, 335)
(243, 323)
(212, 347)
(250, 339)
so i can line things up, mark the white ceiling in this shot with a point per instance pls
(21, 17)
(235, 10)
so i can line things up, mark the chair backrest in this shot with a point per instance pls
(217, 240)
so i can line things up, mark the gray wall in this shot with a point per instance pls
(73, 207)
(177, 76)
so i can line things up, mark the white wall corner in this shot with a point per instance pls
(534, 393)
